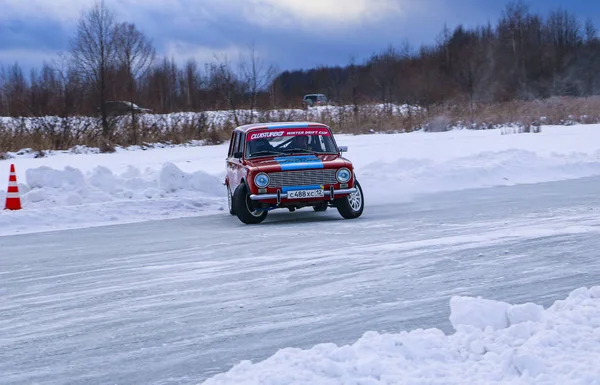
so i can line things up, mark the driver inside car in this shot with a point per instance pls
(301, 141)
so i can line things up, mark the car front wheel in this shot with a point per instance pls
(244, 207)
(320, 207)
(352, 205)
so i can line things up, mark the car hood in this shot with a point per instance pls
(297, 162)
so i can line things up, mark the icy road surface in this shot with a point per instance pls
(178, 301)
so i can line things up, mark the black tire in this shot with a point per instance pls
(230, 201)
(242, 205)
(351, 206)
(320, 207)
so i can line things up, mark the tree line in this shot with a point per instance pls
(524, 56)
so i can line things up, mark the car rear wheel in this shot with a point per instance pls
(244, 207)
(352, 205)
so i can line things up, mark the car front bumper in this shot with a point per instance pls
(331, 193)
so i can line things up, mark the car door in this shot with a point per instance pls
(235, 167)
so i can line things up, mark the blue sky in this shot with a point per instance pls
(288, 33)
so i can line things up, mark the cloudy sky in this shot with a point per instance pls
(291, 34)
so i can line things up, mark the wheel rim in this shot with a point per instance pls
(355, 200)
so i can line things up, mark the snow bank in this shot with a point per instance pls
(494, 342)
(47, 187)
(70, 198)
(386, 182)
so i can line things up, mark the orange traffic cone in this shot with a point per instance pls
(13, 200)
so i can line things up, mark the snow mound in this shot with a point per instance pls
(386, 182)
(467, 312)
(171, 179)
(47, 187)
(69, 198)
(494, 342)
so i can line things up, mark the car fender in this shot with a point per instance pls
(349, 165)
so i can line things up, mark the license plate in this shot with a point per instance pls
(301, 194)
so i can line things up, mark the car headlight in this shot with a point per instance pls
(343, 175)
(261, 180)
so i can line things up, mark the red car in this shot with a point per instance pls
(289, 165)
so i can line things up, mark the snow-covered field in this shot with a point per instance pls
(64, 318)
(78, 190)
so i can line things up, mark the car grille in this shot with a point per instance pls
(302, 178)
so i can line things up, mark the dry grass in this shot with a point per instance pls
(552, 111)
(370, 118)
(53, 133)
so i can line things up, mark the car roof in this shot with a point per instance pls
(271, 125)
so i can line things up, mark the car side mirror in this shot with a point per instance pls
(238, 155)
(343, 148)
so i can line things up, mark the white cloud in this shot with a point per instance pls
(313, 13)
(266, 13)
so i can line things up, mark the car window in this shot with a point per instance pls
(231, 144)
(286, 141)
(236, 143)
(239, 146)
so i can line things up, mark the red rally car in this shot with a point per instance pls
(289, 165)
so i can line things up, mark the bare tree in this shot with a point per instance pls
(257, 75)
(227, 84)
(191, 82)
(352, 85)
(161, 86)
(385, 76)
(135, 56)
(68, 94)
(591, 32)
(16, 90)
(565, 36)
(70, 86)
(93, 52)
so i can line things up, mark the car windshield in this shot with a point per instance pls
(269, 142)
